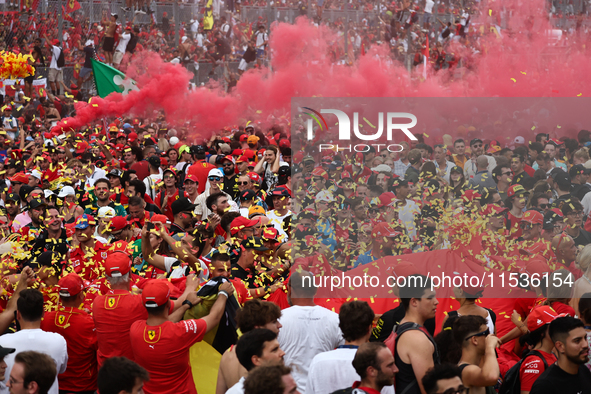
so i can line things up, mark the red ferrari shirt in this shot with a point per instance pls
(89, 265)
(113, 314)
(201, 170)
(532, 367)
(164, 352)
(77, 328)
(167, 210)
(514, 229)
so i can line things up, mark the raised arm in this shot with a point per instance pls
(217, 310)
(7, 316)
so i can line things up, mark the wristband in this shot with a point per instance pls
(221, 292)
(187, 302)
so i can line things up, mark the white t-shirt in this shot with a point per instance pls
(314, 326)
(38, 340)
(429, 6)
(55, 53)
(277, 222)
(151, 182)
(333, 370)
(238, 388)
(123, 40)
(407, 215)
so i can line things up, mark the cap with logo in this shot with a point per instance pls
(106, 212)
(247, 195)
(325, 196)
(70, 285)
(67, 191)
(118, 224)
(280, 191)
(84, 221)
(384, 230)
(540, 316)
(182, 204)
(532, 216)
(191, 177)
(492, 209)
(155, 293)
(516, 189)
(37, 203)
(117, 264)
(255, 210)
(255, 243)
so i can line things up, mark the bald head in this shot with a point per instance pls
(482, 163)
(564, 248)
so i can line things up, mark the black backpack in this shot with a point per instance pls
(61, 61)
(512, 382)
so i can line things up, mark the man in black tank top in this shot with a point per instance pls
(415, 352)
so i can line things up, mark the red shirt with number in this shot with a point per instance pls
(77, 328)
(532, 367)
(164, 352)
(113, 314)
(89, 265)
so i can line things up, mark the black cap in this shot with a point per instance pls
(197, 149)
(578, 169)
(563, 180)
(182, 205)
(36, 203)
(550, 218)
(475, 140)
(115, 172)
(284, 170)
(24, 191)
(154, 161)
(255, 243)
(280, 191)
(247, 195)
(4, 351)
(220, 158)
(12, 197)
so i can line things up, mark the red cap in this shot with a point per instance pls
(270, 234)
(540, 316)
(241, 222)
(159, 219)
(470, 195)
(20, 177)
(532, 216)
(55, 41)
(492, 209)
(237, 152)
(384, 229)
(319, 171)
(119, 246)
(117, 264)
(191, 177)
(81, 147)
(70, 285)
(556, 141)
(256, 178)
(132, 137)
(386, 199)
(155, 293)
(241, 159)
(118, 223)
(243, 137)
(516, 189)
(557, 211)
(284, 143)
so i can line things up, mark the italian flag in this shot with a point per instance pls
(108, 80)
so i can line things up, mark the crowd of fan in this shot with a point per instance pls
(125, 244)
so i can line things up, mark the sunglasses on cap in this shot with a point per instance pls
(480, 334)
(214, 178)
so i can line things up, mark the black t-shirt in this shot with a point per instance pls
(524, 180)
(583, 239)
(132, 44)
(392, 318)
(43, 243)
(89, 53)
(555, 380)
(250, 55)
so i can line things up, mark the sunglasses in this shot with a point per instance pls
(215, 178)
(227, 164)
(242, 183)
(480, 334)
(544, 206)
(477, 146)
(507, 173)
(525, 226)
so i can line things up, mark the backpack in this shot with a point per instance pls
(391, 341)
(182, 173)
(180, 192)
(61, 61)
(512, 382)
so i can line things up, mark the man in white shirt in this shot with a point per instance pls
(152, 180)
(31, 337)
(443, 165)
(306, 323)
(55, 74)
(477, 149)
(333, 370)
(281, 198)
(121, 47)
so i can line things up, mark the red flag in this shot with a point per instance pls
(72, 5)
(362, 49)
(66, 16)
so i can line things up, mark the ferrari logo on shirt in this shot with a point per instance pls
(61, 319)
(112, 302)
(104, 255)
(152, 335)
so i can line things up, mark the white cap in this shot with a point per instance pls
(174, 140)
(382, 168)
(106, 212)
(325, 196)
(216, 172)
(519, 140)
(36, 174)
(48, 193)
(66, 191)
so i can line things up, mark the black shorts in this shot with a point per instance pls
(30, 79)
(109, 44)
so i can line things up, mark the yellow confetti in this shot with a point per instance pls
(533, 128)
(513, 79)
(579, 95)
(489, 12)
(523, 72)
